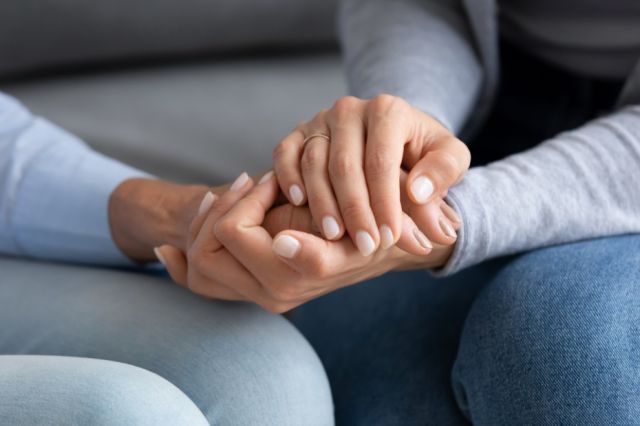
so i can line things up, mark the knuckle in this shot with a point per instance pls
(343, 109)
(385, 105)
(278, 152)
(225, 230)
(282, 293)
(286, 145)
(352, 210)
(378, 164)
(279, 291)
(346, 103)
(196, 259)
(341, 166)
(444, 169)
(313, 157)
(275, 307)
(319, 268)
(448, 163)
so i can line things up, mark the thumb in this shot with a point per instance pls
(314, 256)
(438, 170)
(175, 261)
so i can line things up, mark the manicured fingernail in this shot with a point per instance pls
(450, 213)
(448, 229)
(386, 237)
(206, 203)
(296, 194)
(365, 243)
(156, 251)
(240, 182)
(266, 177)
(422, 239)
(421, 188)
(286, 246)
(330, 227)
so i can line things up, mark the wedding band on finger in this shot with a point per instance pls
(315, 135)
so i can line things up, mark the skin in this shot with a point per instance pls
(231, 255)
(225, 242)
(226, 252)
(352, 174)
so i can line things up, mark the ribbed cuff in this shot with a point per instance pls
(474, 236)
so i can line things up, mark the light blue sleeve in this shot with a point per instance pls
(54, 191)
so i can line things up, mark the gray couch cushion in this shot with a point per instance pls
(35, 34)
(201, 122)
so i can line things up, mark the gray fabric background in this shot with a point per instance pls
(204, 122)
(36, 34)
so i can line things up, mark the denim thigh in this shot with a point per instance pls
(57, 390)
(389, 344)
(554, 339)
(237, 363)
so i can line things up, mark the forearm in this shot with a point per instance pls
(146, 213)
(418, 50)
(581, 184)
(54, 191)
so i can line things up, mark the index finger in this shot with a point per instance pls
(240, 231)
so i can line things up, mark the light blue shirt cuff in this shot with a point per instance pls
(56, 194)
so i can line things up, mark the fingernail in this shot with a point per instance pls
(156, 251)
(296, 194)
(266, 177)
(330, 227)
(450, 213)
(365, 243)
(422, 239)
(206, 203)
(286, 246)
(421, 188)
(448, 229)
(239, 182)
(386, 237)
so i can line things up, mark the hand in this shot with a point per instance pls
(144, 213)
(350, 167)
(231, 256)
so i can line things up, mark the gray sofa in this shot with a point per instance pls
(194, 93)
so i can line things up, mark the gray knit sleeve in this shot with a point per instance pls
(581, 184)
(420, 50)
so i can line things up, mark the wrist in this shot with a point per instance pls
(145, 213)
(437, 258)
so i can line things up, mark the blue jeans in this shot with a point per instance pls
(549, 337)
(546, 338)
(82, 346)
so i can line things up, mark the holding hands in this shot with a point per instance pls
(232, 255)
(376, 170)
(349, 164)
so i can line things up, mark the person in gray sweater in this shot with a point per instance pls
(547, 96)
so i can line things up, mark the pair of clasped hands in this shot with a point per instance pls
(353, 210)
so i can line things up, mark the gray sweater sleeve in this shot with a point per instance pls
(420, 50)
(581, 184)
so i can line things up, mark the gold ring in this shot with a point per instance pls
(315, 135)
